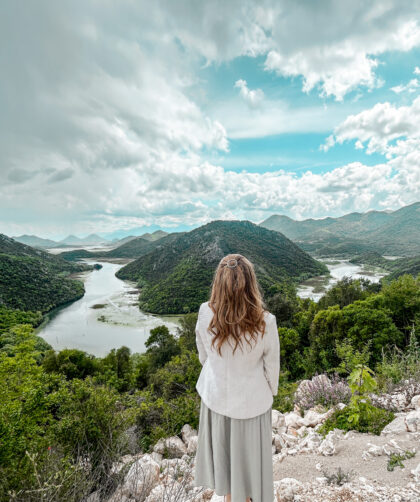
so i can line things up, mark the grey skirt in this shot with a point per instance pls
(234, 455)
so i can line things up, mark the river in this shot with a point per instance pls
(106, 317)
(314, 288)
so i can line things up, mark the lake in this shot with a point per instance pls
(115, 321)
(314, 288)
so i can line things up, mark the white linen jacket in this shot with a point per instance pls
(240, 385)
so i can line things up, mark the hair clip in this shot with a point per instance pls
(230, 265)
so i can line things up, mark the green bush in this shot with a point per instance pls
(371, 420)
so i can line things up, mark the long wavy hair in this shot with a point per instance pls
(236, 301)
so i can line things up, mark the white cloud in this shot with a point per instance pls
(378, 126)
(105, 119)
(252, 97)
(410, 87)
(417, 70)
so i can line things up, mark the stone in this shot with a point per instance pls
(327, 447)
(412, 421)
(192, 445)
(415, 402)
(397, 426)
(141, 478)
(278, 442)
(277, 420)
(172, 492)
(173, 446)
(312, 418)
(187, 432)
(286, 489)
(415, 473)
(157, 457)
(294, 420)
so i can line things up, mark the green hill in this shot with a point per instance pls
(386, 232)
(32, 279)
(176, 277)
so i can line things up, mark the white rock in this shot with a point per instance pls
(173, 446)
(157, 457)
(192, 445)
(277, 420)
(187, 432)
(292, 419)
(286, 489)
(318, 466)
(415, 473)
(412, 421)
(118, 496)
(312, 418)
(375, 450)
(172, 492)
(327, 447)
(141, 478)
(415, 402)
(397, 426)
(278, 442)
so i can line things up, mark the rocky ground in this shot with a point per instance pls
(302, 461)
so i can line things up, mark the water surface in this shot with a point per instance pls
(314, 288)
(115, 321)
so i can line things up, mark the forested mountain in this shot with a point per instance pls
(32, 279)
(158, 234)
(176, 277)
(386, 232)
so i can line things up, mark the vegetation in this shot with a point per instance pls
(176, 278)
(66, 417)
(34, 280)
(395, 459)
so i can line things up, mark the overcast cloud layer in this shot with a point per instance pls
(107, 122)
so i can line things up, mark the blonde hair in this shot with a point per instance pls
(236, 301)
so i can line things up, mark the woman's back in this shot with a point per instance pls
(240, 383)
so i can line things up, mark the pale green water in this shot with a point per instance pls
(79, 326)
(314, 288)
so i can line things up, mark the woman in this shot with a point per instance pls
(238, 346)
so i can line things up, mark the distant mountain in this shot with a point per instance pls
(33, 279)
(134, 248)
(34, 241)
(176, 277)
(123, 240)
(158, 234)
(386, 232)
(90, 240)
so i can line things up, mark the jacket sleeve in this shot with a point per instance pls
(202, 354)
(271, 355)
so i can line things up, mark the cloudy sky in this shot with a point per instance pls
(122, 115)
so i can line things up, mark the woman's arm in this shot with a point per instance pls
(271, 355)
(202, 354)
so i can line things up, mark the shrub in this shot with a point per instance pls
(283, 401)
(371, 420)
(322, 390)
